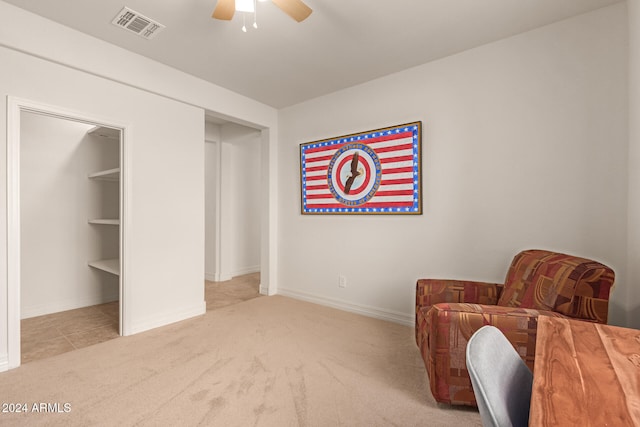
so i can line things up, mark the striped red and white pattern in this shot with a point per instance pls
(398, 150)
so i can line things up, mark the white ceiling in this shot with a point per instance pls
(342, 43)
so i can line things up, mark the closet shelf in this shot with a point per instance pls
(109, 265)
(105, 221)
(105, 132)
(106, 175)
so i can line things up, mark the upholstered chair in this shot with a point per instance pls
(538, 283)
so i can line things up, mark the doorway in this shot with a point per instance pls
(233, 229)
(66, 234)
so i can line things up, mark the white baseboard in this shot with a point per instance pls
(246, 270)
(58, 306)
(168, 318)
(377, 313)
(217, 277)
(4, 363)
(264, 290)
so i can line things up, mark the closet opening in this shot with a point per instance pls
(66, 229)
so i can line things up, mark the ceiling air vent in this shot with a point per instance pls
(137, 23)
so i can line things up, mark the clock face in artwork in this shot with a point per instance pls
(354, 174)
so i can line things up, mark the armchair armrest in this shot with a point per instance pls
(434, 291)
(448, 327)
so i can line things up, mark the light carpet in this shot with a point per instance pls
(269, 361)
(238, 289)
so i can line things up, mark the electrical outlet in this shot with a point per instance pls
(342, 281)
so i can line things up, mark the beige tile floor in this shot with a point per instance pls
(57, 333)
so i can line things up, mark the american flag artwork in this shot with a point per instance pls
(373, 172)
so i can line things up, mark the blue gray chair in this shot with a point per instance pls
(501, 380)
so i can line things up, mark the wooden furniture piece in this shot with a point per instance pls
(586, 374)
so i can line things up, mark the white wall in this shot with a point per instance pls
(633, 291)
(211, 170)
(211, 200)
(56, 200)
(244, 194)
(524, 146)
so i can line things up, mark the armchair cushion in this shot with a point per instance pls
(570, 285)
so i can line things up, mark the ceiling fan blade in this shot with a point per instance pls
(294, 8)
(224, 10)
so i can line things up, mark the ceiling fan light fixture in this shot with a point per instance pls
(225, 9)
(245, 6)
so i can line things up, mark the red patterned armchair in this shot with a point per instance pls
(538, 283)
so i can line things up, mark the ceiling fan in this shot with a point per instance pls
(294, 8)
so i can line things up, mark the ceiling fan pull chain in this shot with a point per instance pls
(255, 14)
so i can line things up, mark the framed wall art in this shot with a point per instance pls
(373, 172)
